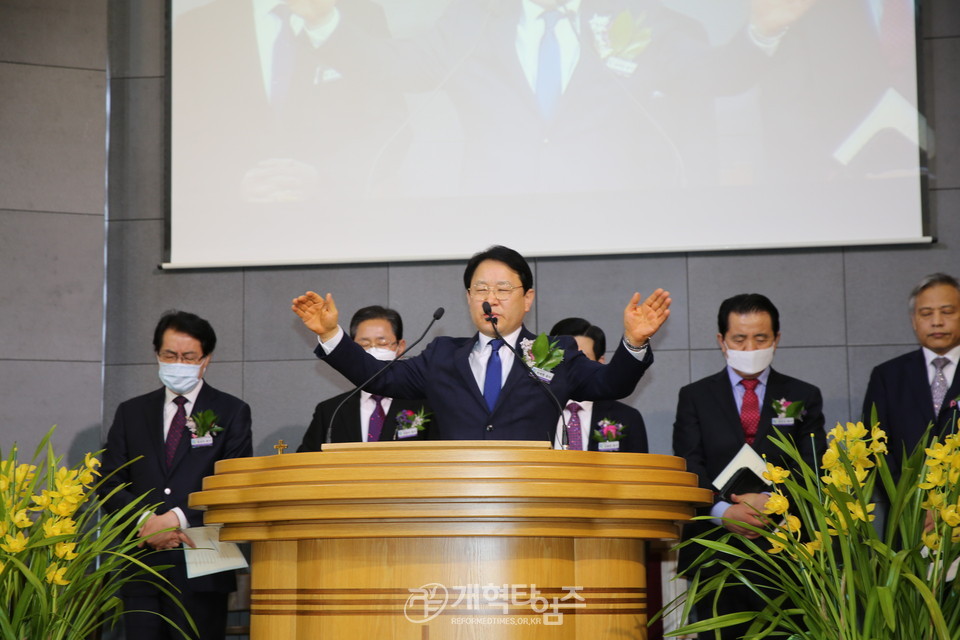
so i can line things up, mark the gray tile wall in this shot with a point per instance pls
(842, 310)
(53, 61)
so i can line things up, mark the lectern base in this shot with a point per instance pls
(463, 588)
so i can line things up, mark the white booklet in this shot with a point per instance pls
(211, 555)
(746, 457)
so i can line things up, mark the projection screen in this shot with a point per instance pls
(346, 131)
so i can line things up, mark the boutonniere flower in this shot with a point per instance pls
(203, 424)
(955, 402)
(541, 355)
(609, 431)
(788, 412)
(620, 40)
(410, 423)
(418, 420)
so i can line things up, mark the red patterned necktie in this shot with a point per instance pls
(377, 418)
(574, 435)
(750, 410)
(177, 426)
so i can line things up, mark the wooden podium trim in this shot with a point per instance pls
(342, 538)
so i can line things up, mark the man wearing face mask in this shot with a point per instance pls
(365, 417)
(160, 433)
(744, 403)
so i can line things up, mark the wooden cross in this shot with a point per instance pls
(280, 446)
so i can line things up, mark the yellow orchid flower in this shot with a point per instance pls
(65, 550)
(777, 503)
(855, 431)
(792, 524)
(857, 511)
(91, 463)
(22, 520)
(55, 575)
(814, 545)
(935, 500)
(14, 544)
(935, 478)
(775, 474)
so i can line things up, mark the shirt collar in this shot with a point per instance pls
(532, 11)
(953, 355)
(191, 396)
(510, 338)
(735, 377)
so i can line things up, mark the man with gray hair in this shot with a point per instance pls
(921, 387)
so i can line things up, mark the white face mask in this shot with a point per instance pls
(380, 353)
(749, 362)
(180, 377)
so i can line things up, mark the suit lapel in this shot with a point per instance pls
(517, 371)
(153, 419)
(920, 387)
(206, 399)
(347, 425)
(948, 413)
(723, 398)
(775, 390)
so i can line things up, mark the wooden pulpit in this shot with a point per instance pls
(449, 540)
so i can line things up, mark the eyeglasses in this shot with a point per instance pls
(186, 358)
(383, 343)
(502, 291)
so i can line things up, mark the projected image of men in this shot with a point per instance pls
(286, 107)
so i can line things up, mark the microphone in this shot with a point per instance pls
(436, 316)
(564, 442)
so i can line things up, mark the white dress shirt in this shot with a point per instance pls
(949, 370)
(586, 419)
(530, 33)
(738, 390)
(268, 27)
(367, 406)
(170, 410)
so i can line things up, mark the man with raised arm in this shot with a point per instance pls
(475, 387)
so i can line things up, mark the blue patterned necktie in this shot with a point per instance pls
(549, 77)
(494, 377)
(281, 72)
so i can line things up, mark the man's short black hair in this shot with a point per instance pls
(747, 303)
(376, 312)
(188, 323)
(505, 255)
(579, 327)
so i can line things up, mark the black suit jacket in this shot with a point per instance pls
(346, 427)
(441, 375)
(708, 433)
(137, 431)
(900, 389)
(634, 431)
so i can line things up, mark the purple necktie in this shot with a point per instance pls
(177, 426)
(574, 437)
(377, 418)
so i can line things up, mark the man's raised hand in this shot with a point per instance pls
(318, 313)
(642, 320)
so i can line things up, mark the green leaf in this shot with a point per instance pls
(621, 29)
(885, 598)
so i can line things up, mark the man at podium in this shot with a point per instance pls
(478, 387)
